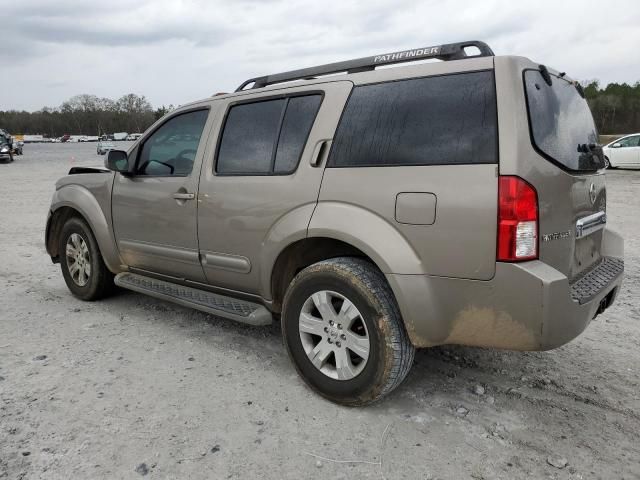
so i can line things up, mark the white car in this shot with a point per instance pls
(623, 152)
(103, 147)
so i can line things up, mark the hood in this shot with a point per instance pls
(87, 177)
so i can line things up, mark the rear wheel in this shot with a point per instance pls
(83, 269)
(344, 333)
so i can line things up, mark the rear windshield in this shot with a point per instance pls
(562, 127)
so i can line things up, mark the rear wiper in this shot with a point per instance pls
(588, 147)
(545, 74)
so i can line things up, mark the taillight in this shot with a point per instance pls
(517, 220)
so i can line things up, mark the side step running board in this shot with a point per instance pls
(213, 303)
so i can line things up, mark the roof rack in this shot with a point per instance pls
(449, 51)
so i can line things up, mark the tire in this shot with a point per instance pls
(98, 282)
(368, 375)
(607, 163)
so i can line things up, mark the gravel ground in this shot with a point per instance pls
(134, 386)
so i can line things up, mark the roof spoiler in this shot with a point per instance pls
(449, 51)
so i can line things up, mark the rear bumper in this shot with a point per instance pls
(526, 306)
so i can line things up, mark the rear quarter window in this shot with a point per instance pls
(448, 119)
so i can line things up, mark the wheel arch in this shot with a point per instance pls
(76, 201)
(300, 254)
(370, 233)
(337, 229)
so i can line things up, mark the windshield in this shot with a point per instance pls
(562, 126)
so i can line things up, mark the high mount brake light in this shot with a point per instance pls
(517, 220)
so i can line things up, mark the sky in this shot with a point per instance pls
(178, 51)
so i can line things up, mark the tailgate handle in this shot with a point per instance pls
(591, 223)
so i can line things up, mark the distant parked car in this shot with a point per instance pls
(623, 152)
(104, 147)
(6, 154)
(132, 137)
(17, 147)
(6, 149)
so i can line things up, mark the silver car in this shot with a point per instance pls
(372, 211)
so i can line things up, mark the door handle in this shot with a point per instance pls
(184, 196)
(320, 152)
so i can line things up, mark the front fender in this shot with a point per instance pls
(82, 200)
(368, 232)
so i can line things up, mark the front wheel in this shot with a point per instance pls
(342, 329)
(607, 163)
(83, 269)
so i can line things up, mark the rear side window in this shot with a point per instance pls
(297, 123)
(267, 137)
(562, 126)
(449, 119)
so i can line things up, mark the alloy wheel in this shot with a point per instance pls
(334, 335)
(78, 259)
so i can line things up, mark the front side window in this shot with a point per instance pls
(443, 120)
(171, 149)
(629, 141)
(266, 137)
(562, 127)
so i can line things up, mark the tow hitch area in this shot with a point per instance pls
(606, 302)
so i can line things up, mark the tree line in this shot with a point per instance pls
(85, 115)
(616, 110)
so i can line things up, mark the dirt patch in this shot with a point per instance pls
(477, 326)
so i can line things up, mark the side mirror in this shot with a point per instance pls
(117, 161)
(616, 145)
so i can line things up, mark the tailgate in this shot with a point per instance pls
(570, 180)
(572, 217)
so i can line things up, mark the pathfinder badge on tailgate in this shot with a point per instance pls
(556, 236)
